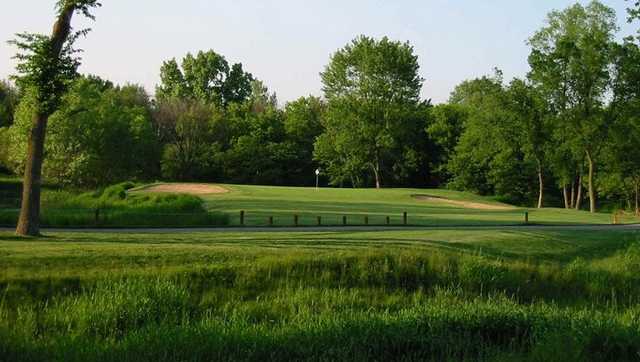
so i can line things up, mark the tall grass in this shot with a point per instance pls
(115, 207)
(377, 305)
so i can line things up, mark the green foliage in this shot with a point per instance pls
(570, 60)
(489, 158)
(8, 102)
(18, 134)
(187, 130)
(96, 121)
(4, 150)
(303, 119)
(47, 79)
(621, 179)
(44, 72)
(245, 143)
(446, 125)
(206, 77)
(372, 89)
(261, 154)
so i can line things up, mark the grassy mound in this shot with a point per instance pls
(115, 207)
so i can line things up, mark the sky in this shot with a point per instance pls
(287, 43)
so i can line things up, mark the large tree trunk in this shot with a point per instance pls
(29, 220)
(540, 186)
(565, 195)
(578, 203)
(592, 191)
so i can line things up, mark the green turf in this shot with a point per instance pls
(81, 254)
(282, 203)
(437, 295)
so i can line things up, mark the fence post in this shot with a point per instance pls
(526, 217)
(366, 219)
(242, 218)
(97, 216)
(344, 220)
(404, 218)
(388, 220)
(270, 220)
(319, 221)
(295, 220)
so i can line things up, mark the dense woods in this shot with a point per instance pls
(565, 135)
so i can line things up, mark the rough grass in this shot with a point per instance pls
(114, 206)
(441, 295)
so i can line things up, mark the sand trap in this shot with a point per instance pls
(464, 204)
(192, 189)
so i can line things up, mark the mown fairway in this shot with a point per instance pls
(396, 295)
(261, 202)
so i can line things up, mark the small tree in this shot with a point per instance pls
(47, 65)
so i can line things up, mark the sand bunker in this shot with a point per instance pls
(192, 189)
(464, 204)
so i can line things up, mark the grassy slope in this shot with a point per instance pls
(412, 295)
(117, 208)
(81, 255)
(260, 202)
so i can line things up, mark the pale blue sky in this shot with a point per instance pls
(287, 43)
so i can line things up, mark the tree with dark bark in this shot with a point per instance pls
(46, 65)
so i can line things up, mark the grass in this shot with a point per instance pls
(137, 208)
(114, 206)
(282, 203)
(436, 294)
(394, 295)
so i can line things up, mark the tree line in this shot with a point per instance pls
(565, 134)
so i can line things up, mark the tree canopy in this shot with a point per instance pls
(206, 77)
(372, 89)
(570, 61)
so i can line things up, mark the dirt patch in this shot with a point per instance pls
(464, 204)
(192, 189)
